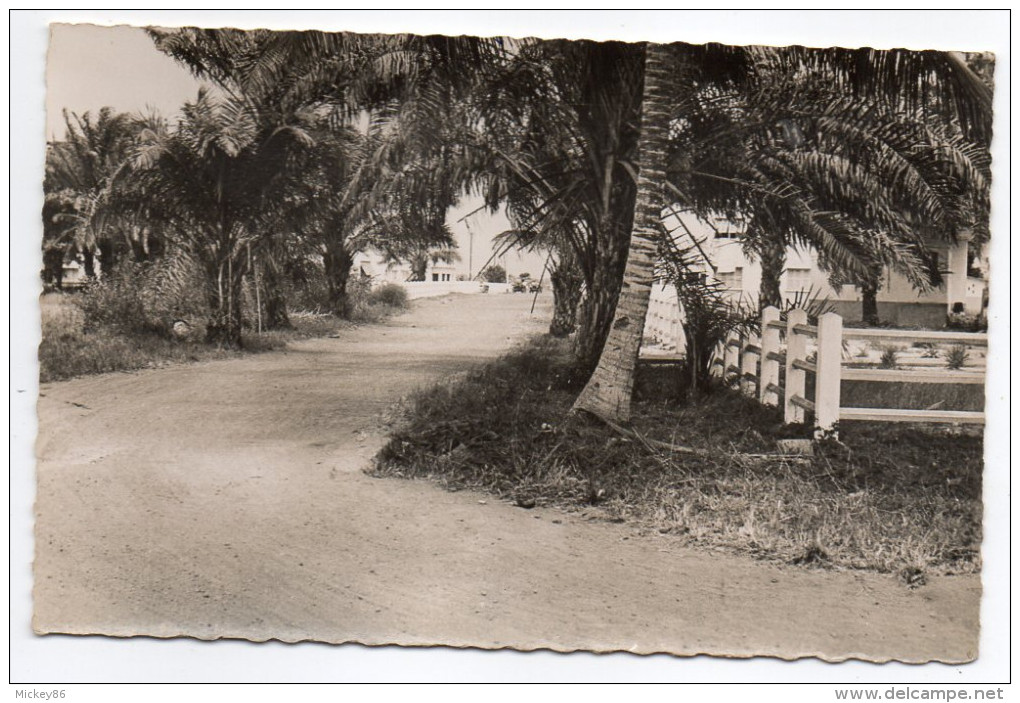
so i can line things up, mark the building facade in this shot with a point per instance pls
(899, 303)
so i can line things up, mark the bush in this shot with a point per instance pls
(368, 304)
(389, 294)
(493, 274)
(66, 351)
(147, 298)
(305, 286)
(967, 323)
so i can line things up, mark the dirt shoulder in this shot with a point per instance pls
(226, 499)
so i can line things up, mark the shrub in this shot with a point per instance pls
(389, 294)
(146, 298)
(367, 304)
(306, 287)
(956, 356)
(967, 323)
(493, 274)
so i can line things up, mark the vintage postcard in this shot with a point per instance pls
(506, 342)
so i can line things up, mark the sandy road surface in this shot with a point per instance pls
(226, 499)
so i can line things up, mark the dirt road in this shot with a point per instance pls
(226, 499)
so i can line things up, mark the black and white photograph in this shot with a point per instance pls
(641, 344)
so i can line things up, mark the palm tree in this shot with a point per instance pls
(608, 392)
(905, 78)
(827, 171)
(80, 171)
(390, 188)
(565, 274)
(219, 180)
(580, 99)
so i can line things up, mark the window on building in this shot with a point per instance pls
(446, 277)
(798, 279)
(728, 228)
(732, 280)
(973, 265)
(435, 277)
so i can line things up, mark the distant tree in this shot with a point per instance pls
(80, 170)
(494, 273)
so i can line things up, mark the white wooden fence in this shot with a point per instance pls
(755, 362)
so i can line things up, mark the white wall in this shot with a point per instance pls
(432, 289)
(727, 254)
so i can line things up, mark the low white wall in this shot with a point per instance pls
(432, 289)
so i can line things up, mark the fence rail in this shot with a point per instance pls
(755, 362)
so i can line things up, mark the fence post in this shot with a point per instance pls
(827, 378)
(769, 367)
(796, 345)
(677, 328)
(748, 365)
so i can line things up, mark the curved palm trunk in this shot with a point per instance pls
(608, 392)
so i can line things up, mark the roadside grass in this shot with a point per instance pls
(914, 396)
(68, 351)
(889, 498)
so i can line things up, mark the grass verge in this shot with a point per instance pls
(903, 499)
(67, 351)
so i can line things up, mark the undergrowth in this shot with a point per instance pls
(889, 498)
(70, 348)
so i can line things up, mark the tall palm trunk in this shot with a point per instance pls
(566, 282)
(225, 272)
(225, 322)
(109, 255)
(869, 285)
(276, 298)
(337, 262)
(596, 309)
(89, 259)
(608, 392)
(419, 266)
(772, 256)
(869, 302)
(53, 267)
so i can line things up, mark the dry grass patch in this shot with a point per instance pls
(888, 498)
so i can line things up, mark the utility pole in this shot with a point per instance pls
(471, 250)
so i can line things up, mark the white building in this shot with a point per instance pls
(898, 302)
